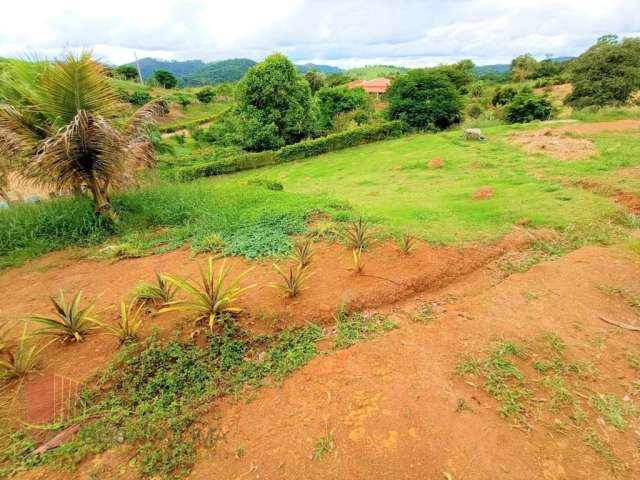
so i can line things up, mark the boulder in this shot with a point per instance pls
(473, 134)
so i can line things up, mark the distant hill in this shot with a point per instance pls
(500, 68)
(179, 68)
(307, 67)
(374, 71)
(218, 72)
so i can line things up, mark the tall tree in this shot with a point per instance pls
(524, 67)
(57, 128)
(165, 78)
(608, 73)
(424, 99)
(274, 105)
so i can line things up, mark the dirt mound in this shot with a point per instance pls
(555, 143)
(482, 193)
(436, 162)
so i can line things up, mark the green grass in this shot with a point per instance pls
(150, 396)
(390, 182)
(250, 221)
(357, 327)
(196, 112)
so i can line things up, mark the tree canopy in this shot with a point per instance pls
(274, 104)
(165, 78)
(425, 99)
(335, 100)
(606, 74)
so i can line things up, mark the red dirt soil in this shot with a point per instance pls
(390, 404)
(388, 277)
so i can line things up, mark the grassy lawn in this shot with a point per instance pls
(391, 183)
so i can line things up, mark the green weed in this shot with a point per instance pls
(613, 410)
(358, 327)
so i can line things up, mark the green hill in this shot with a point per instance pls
(179, 68)
(374, 71)
(218, 72)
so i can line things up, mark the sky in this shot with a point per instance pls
(344, 33)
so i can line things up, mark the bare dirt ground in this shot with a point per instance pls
(557, 92)
(392, 405)
(557, 143)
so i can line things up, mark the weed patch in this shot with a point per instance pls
(358, 327)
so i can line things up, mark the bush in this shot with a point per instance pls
(502, 96)
(307, 148)
(336, 100)
(205, 95)
(182, 99)
(425, 100)
(139, 97)
(527, 107)
(475, 110)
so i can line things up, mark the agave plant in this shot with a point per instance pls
(406, 242)
(358, 235)
(70, 322)
(214, 297)
(5, 343)
(159, 293)
(129, 323)
(22, 359)
(293, 280)
(57, 128)
(302, 252)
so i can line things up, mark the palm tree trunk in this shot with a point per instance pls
(101, 199)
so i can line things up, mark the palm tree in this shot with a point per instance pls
(61, 127)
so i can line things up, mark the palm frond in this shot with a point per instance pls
(73, 84)
(146, 116)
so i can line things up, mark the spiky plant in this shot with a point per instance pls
(406, 242)
(159, 293)
(129, 323)
(302, 252)
(358, 264)
(71, 322)
(5, 342)
(293, 280)
(57, 128)
(358, 235)
(210, 300)
(22, 359)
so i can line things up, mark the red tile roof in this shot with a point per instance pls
(377, 85)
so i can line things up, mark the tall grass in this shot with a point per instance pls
(251, 221)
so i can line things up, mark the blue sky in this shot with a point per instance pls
(344, 33)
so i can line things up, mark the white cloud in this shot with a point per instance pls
(339, 32)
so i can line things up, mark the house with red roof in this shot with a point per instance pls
(374, 87)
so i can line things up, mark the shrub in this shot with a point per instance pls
(502, 96)
(296, 151)
(527, 107)
(424, 100)
(475, 110)
(205, 95)
(182, 99)
(70, 322)
(139, 96)
(335, 100)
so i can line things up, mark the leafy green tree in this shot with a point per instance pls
(502, 96)
(58, 128)
(549, 68)
(128, 72)
(527, 107)
(182, 99)
(524, 67)
(274, 104)
(336, 79)
(460, 74)
(425, 99)
(315, 79)
(335, 100)
(165, 78)
(205, 95)
(608, 73)
(140, 96)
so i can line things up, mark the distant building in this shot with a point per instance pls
(375, 87)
